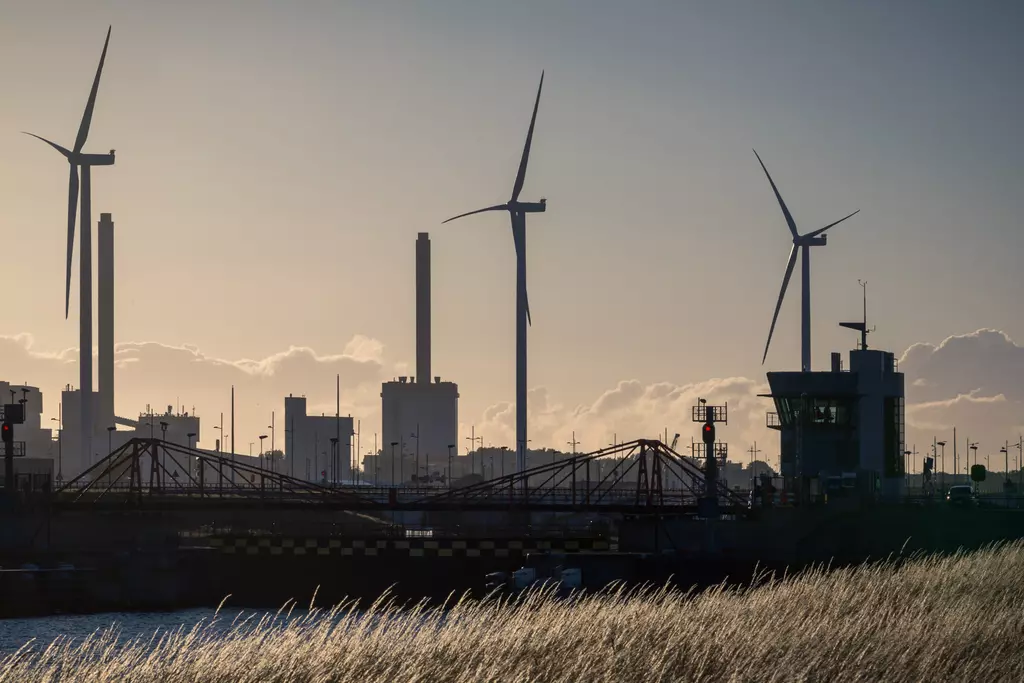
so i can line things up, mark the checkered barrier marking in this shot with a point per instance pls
(419, 547)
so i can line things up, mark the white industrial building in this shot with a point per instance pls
(420, 416)
(309, 453)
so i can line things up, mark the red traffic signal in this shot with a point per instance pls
(708, 432)
(7, 432)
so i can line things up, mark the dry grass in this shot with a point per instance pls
(939, 619)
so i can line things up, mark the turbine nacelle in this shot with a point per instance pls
(818, 241)
(96, 159)
(528, 207)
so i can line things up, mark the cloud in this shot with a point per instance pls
(974, 382)
(631, 410)
(986, 362)
(160, 374)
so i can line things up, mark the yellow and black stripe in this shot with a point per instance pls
(413, 547)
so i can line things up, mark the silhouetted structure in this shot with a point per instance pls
(78, 159)
(518, 210)
(420, 415)
(804, 244)
(309, 453)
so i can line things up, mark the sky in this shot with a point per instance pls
(275, 161)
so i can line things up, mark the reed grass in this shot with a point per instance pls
(955, 618)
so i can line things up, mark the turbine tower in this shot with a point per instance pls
(517, 211)
(77, 159)
(804, 244)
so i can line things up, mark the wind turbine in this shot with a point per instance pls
(517, 211)
(804, 244)
(77, 159)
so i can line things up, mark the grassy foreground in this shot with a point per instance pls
(957, 618)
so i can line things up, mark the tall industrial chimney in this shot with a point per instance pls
(423, 308)
(106, 320)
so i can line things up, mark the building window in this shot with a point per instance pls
(822, 412)
(894, 437)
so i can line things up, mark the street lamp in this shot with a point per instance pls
(110, 433)
(906, 466)
(60, 445)
(450, 447)
(942, 445)
(262, 460)
(334, 459)
(190, 435)
(472, 458)
(163, 431)
(393, 444)
(417, 437)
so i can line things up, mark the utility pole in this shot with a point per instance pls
(1020, 463)
(232, 433)
(574, 443)
(753, 450)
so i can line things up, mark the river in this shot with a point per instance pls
(14, 633)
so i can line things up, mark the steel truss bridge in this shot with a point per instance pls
(647, 477)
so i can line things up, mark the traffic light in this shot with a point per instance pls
(8, 433)
(708, 433)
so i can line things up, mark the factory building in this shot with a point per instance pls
(842, 422)
(309, 453)
(33, 443)
(419, 414)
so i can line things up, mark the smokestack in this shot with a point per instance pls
(423, 308)
(106, 319)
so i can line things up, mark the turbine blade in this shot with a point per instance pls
(83, 130)
(496, 207)
(521, 176)
(785, 209)
(72, 212)
(519, 223)
(782, 294)
(821, 230)
(65, 152)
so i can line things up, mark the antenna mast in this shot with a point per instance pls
(864, 332)
(862, 326)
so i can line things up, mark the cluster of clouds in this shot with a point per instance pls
(972, 381)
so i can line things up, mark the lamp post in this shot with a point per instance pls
(262, 456)
(416, 472)
(906, 467)
(942, 445)
(271, 440)
(110, 434)
(450, 447)
(971, 447)
(334, 459)
(393, 444)
(1020, 468)
(472, 458)
(163, 432)
(60, 445)
(190, 436)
